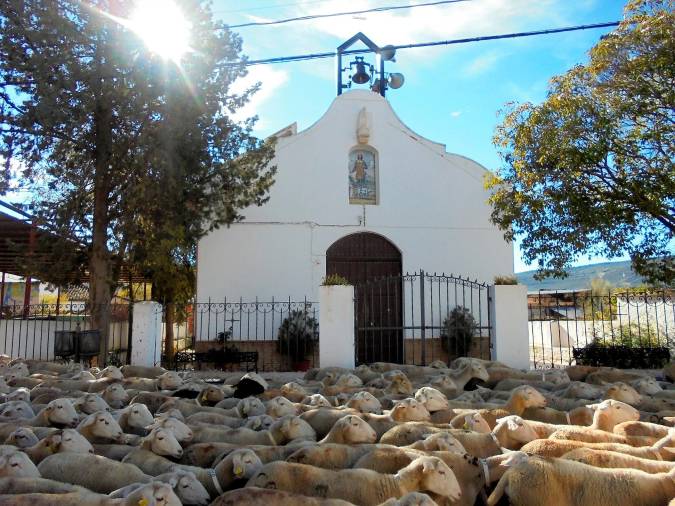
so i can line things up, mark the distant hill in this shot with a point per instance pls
(618, 274)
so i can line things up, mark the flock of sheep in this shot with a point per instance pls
(472, 432)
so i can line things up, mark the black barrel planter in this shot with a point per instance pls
(77, 344)
(623, 357)
(65, 343)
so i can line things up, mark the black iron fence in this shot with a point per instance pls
(421, 317)
(37, 331)
(614, 328)
(275, 335)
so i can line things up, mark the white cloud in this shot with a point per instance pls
(456, 114)
(421, 24)
(482, 63)
(272, 80)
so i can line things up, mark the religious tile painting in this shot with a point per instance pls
(362, 177)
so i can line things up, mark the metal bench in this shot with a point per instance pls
(220, 359)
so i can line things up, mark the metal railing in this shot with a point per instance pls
(421, 317)
(628, 327)
(243, 326)
(29, 331)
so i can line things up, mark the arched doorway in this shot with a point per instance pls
(362, 258)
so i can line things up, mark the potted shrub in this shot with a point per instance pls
(458, 331)
(298, 335)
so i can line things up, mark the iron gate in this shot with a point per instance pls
(421, 317)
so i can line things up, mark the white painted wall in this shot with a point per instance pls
(336, 327)
(508, 310)
(432, 206)
(146, 334)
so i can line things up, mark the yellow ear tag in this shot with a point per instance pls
(238, 470)
(465, 426)
(143, 502)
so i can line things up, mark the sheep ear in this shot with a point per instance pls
(512, 425)
(89, 420)
(428, 466)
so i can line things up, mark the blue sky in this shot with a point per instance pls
(452, 93)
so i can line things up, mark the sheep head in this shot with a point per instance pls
(410, 410)
(62, 412)
(162, 441)
(610, 413)
(186, 486)
(17, 465)
(102, 425)
(22, 437)
(354, 430)
(90, 403)
(20, 394)
(432, 474)
(19, 369)
(292, 427)
(433, 400)
(138, 415)
(648, 386)
(210, 394)
(180, 430)
(517, 428)
(15, 410)
(153, 494)
(293, 388)
(365, 402)
(260, 422)
(530, 396)
(111, 372)
(443, 442)
(170, 380)
(115, 394)
(623, 392)
(400, 385)
(478, 371)
(280, 406)
(444, 382)
(251, 406)
(317, 400)
(349, 380)
(242, 463)
(74, 442)
(476, 423)
(4, 387)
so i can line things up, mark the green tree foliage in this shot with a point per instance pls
(129, 156)
(591, 169)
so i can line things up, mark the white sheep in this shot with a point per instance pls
(162, 442)
(433, 400)
(115, 395)
(281, 432)
(316, 400)
(440, 441)
(350, 430)
(100, 425)
(607, 414)
(94, 472)
(570, 483)
(22, 437)
(360, 486)
(90, 403)
(134, 418)
(184, 483)
(17, 464)
(254, 496)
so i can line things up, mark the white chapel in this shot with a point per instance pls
(360, 194)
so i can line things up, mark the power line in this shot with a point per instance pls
(271, 6)
(335, 14)
(316, 56)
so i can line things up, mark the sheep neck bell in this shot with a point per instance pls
(486, 472)
(216, 483)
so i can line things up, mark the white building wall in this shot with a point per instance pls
(432, 206)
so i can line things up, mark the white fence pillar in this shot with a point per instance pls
(146, 334)
(336, 326)
(508, 316)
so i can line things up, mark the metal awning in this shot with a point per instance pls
(21, 239)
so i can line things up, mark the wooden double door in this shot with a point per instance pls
(373, 265)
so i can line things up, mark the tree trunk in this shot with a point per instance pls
(168, 334)
(100, 265)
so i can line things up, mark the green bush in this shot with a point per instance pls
(506, 280)
(335, 279)
(629, 335)
(298, 335)
(458, 332)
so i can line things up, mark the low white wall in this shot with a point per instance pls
(146, 345)
(336, 327)
(508, 310)
(34, 339)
